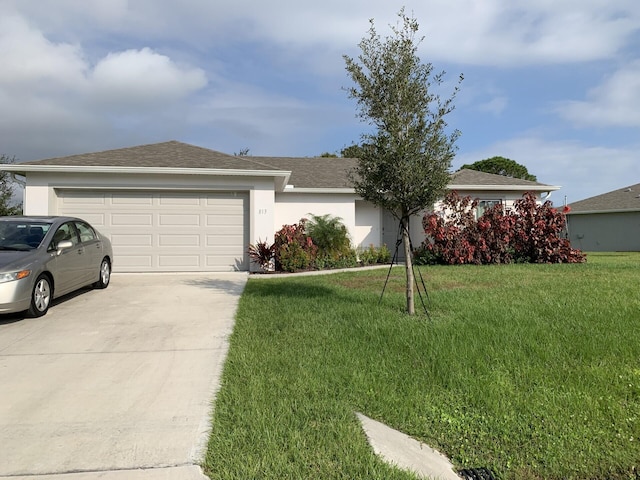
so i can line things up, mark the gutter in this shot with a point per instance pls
(293, 189)
(517, 188)
(619, 210)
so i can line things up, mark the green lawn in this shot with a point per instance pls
(530, 370)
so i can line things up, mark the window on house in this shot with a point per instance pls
(484, 205)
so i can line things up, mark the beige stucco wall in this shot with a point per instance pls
(291, 207)
(362, 219)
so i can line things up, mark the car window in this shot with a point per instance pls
(66, 231)
(86, 232)
(22, 235)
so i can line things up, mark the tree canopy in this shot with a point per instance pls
(8, 205)
(405, 166)
(501, 166)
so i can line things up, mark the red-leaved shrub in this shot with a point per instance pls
(530, 233)
(293, 248)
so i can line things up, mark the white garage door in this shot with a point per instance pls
(166, 231)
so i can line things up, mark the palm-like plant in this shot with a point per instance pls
(329, 234)
(262, 253)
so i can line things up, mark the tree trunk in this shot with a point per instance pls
(411, 309)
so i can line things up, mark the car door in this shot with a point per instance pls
(92, 249)
(70, 271)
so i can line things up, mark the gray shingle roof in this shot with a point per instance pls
(314, 172)
(473, 177)
(306, 172)
(627, 198)
(166, 154)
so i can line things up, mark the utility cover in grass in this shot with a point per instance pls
(405, 452)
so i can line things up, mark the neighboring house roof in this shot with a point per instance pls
(467, 179)
(625, 199)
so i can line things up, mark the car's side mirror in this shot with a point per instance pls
(63, 245)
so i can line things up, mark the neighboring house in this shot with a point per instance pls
(608, 222)
(177, 207)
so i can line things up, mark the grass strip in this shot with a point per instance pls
(530, 370)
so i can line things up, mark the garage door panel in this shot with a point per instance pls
(177, 219)
(182, 261)
(223, 240)
(167, 231)
(131, 199)
(80, 198)
(226, 230)
(95, 219)
(132, 263)
(179, 200)
(225, 200)
(217, 262)
(222, 221)
(131, 240)
(120, 219)
(176, 240)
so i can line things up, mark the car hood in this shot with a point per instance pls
(11, 261)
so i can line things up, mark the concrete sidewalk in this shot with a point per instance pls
(117, 383)
(405, 452)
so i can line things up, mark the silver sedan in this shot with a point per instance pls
(42, 258)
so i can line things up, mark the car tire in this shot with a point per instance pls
(104, 276)
(40, 297)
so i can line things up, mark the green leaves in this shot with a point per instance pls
(501, 166)
(7, 205)
(406, 165)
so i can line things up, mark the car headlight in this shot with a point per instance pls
(10, 277)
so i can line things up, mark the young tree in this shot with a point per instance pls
(405, 167)
(501, 166)
(7, 204)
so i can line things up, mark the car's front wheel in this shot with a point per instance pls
(105, 274)
(40, 297)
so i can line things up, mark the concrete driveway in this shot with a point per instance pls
(116, 383)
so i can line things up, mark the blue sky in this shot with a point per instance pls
(552, 84)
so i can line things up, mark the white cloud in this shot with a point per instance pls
(616, 102)
(29, 60)
(506, 32)
(135, 78)
(54, 98)
(495, 106)
(582, 170)
(478, 32)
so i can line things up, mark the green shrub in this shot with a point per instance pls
(346, 259)
(424, 256)
(368, 256)
(384, 255)
(373, 255)
(292, 258)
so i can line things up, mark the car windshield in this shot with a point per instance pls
(22, 235)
